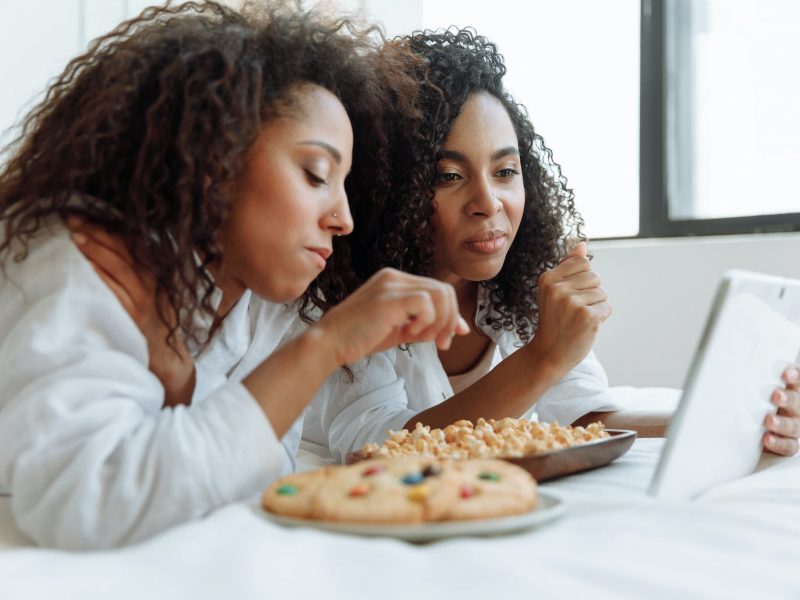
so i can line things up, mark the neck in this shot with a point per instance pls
(231, 292)
(466, 295)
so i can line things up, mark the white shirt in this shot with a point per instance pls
(88, 454)
(391, 387)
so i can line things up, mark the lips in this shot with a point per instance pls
(486, 236)
(487, 242)
(323, 252)
(320, 256)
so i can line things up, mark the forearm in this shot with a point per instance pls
(647, 423)
(286, 382)
(509, 390)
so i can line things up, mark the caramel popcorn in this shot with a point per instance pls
(486, 439)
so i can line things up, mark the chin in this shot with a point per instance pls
(285, 293)
(480, 272)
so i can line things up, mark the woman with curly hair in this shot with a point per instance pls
(206, 151)
(479, 203)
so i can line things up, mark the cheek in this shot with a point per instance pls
(515, 209)
(445, 223)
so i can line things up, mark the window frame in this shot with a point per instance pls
(654, 183)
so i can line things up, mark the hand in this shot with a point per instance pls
(390, 309)
(136, 292)
(783, 428)
(572, 306)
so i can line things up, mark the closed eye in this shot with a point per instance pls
(314, 179)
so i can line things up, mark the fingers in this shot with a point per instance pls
(583, 280)
(787, 400)
(428, 308)
(784, 426)
(602, 311)
(780, 445)
(436, 315)
(99, 236)
(792, 377)
(580, 249)
(588, 297)
(569, 266)
(109, 263)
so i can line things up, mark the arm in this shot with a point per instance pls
(392, 308)
(572, 307)
(88, 454)
(170, 363)
(646, 423)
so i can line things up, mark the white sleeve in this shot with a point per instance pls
(583, 390)
(357, 412)
(89, 456)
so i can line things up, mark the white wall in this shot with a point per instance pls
(37, 40)
(661, 291)
(39, 37)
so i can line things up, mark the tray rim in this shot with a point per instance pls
(615, 434)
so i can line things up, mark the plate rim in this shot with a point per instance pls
(554, 507)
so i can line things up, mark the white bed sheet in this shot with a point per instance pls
(741, 540)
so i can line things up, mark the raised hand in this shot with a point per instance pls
(136, 292)
(572, 306)
(390, 309)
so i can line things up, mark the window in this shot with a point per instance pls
(721, 132)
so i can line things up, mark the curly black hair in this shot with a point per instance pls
(151, 124)
(458, 63)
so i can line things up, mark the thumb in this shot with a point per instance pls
(579, 249)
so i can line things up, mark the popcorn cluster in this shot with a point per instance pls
(486, 439)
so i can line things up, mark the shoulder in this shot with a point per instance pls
(48, 260)
(54, 295)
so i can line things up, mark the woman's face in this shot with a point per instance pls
(290, 201)
(479, 196)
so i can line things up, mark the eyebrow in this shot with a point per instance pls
(458, 156)
(337, 156)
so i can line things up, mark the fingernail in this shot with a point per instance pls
(774, 421)
(771, 440)
(779, 398)
(78, 238)
(792, 375)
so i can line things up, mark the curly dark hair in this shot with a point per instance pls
(458, 63)
(151, 124)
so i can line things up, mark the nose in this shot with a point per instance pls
(339, 220)
(483, 201)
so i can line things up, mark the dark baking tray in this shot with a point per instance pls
(560, 463)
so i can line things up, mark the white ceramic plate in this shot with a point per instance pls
(549, 507)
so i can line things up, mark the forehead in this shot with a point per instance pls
(483, 121)
(312, 111)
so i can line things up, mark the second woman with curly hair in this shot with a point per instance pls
(211, 148)
(479, 204)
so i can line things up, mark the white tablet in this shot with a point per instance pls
(751, 335)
